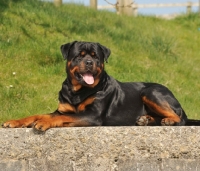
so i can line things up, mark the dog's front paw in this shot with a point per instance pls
(167, 122)
(13, 124)
(41, 126)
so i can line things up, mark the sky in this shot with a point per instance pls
(147, 11)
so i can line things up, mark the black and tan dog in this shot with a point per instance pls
(90, 97)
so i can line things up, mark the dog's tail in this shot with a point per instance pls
(192, 122)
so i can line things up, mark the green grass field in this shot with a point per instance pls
(143, 49)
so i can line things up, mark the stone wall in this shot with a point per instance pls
(101, 149)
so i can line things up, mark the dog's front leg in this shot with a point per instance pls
(25, 122)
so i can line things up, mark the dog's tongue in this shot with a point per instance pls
(88, 78)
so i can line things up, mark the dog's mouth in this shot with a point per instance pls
(87, 77)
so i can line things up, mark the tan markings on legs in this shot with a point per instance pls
(66, 107)
(86, 102)
(25, 122)
(164, 110)
(59, 121)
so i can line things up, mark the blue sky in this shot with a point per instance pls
(153, 11)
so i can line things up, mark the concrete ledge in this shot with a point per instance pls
(101, 149)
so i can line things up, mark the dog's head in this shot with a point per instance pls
(85, 62)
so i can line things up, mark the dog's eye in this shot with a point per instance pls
(83, 53)
(92, 54)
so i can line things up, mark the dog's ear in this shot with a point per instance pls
(65, 49)
(105, 51)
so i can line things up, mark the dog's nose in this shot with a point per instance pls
(89, 63)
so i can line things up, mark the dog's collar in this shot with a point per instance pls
(67, 95)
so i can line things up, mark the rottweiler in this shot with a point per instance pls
(90, 97)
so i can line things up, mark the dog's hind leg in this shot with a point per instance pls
(160, 101)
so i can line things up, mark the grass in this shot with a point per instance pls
(143, 48)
